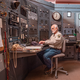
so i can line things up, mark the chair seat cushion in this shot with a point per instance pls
(59, 55)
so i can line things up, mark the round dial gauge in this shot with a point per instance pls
(56, 16)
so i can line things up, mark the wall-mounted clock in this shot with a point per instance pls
(56, 16)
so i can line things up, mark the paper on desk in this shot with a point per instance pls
(71, 36)
(1, 44)
(33, 47)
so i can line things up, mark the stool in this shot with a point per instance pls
(56, 69)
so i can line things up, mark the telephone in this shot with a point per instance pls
(17, 47)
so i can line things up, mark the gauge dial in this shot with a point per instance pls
(56, 16)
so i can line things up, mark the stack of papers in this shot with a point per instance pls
(33, 47)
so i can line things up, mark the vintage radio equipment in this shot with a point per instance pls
(13, 31)
(15, 4)
(13, 19)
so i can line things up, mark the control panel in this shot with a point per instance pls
(13, 28)
(43, 23)
(24, 31)
(32, 22)
(68, 23)
(13, 18)
(13, 22)
(78, 22)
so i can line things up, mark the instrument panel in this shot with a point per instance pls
(68, 23)
(13, 28)
(24, 31)
(43, 23)
(32, 22)
(44, 34)
(13, 19)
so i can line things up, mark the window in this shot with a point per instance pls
(68, 14)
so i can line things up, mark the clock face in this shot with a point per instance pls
(56, 16)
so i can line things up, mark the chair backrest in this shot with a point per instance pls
(63, 46)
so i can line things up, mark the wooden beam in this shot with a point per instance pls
(68, 1)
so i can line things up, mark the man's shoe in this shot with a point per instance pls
(46, 69)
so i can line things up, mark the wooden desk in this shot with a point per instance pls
(24, 53)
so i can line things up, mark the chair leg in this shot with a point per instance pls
(56, 66)
(56, 63)
(60, 68)
(51, 65)
(56, 76)
(63, 71)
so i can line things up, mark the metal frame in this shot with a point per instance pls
(56, 69)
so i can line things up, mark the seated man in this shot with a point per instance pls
(55, 45)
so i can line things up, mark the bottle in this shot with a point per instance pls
(74, 33)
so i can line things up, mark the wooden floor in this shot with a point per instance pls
(73, 68)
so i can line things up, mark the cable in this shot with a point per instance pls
(7, 57)
(13, 71)
(12, 63)
(15, 58)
